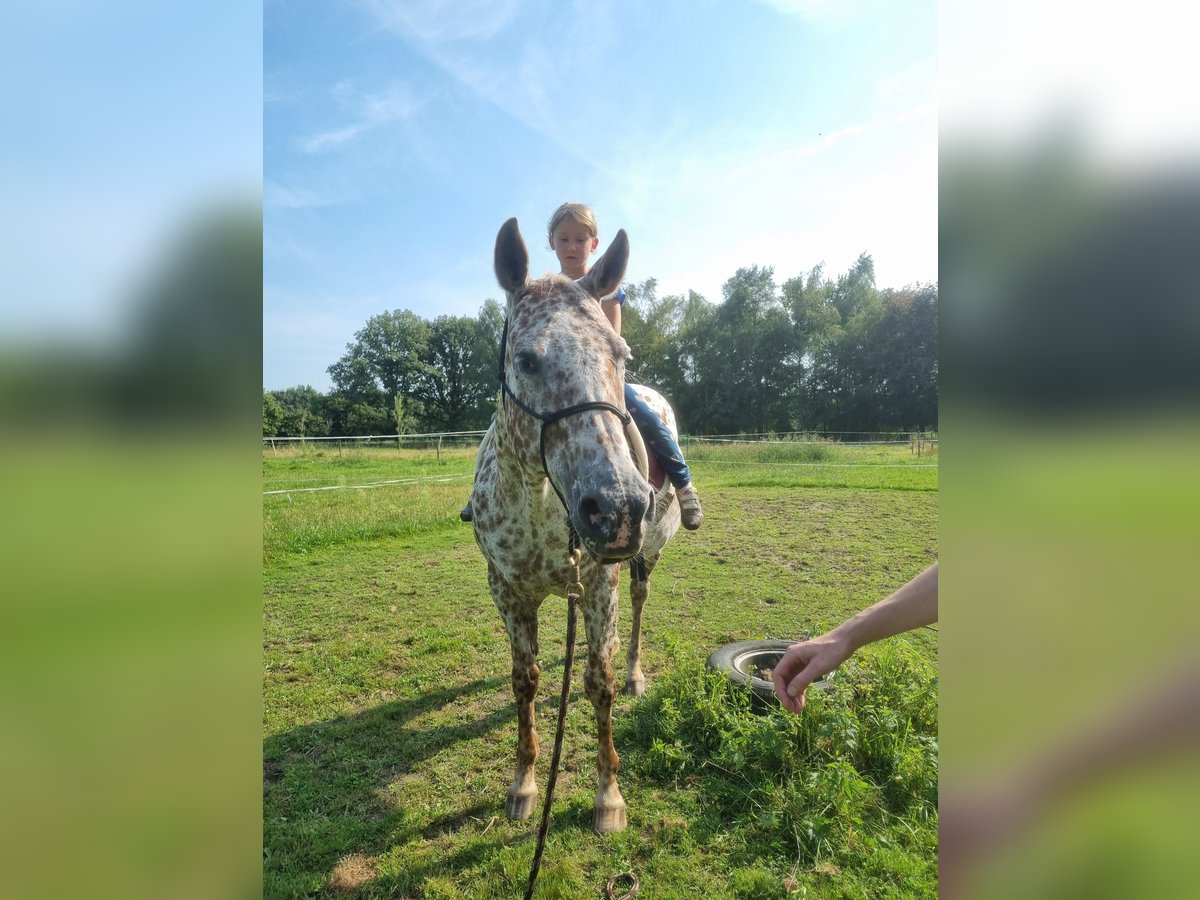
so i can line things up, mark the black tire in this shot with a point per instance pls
(743, 661)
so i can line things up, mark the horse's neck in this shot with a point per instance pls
(522, 473)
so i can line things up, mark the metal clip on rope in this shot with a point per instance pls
(574, 586)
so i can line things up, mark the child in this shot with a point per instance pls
(574, 236)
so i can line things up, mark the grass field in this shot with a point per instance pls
(389, 731)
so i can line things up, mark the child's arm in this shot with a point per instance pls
(612, 308)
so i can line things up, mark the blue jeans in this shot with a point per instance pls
(658, 439)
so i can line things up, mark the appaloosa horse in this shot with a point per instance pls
(561, 450)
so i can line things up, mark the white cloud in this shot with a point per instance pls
(451, 35)
(865, 188)
(395, 103)
(327, 140)
(441, 21)
(277, 195)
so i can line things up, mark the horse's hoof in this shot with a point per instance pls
(520, 806)
(610, 819)
(635, 688)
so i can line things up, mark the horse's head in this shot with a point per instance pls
(564, 398)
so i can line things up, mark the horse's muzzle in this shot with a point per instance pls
(612, 527)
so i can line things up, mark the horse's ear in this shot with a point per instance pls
(512, 259)
(607, 272)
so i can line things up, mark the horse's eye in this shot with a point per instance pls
(527, 362)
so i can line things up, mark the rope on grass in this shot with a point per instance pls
(610, 888)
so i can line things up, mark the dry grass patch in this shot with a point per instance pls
(352, 872)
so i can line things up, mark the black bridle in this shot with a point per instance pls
(550, 419)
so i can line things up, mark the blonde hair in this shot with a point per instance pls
(580, 212)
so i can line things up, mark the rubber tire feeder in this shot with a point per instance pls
(742, 660)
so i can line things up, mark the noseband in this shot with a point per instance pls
(552, 417)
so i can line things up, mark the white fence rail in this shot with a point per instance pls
(919, 443)
(468, 437)
(430, 439)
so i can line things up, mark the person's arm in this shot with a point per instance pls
(913, 605)
(612, 310)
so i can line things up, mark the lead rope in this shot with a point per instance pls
(574, 594)
(628, 895)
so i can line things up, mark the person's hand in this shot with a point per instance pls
(804, 663)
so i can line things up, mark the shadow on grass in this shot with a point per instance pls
(571, 815)
(325, 785)
(326, 791)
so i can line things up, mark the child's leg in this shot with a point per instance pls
(658, 439)
(662, 444)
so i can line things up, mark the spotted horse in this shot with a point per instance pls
(562, 452)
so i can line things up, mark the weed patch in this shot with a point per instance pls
(823, 791)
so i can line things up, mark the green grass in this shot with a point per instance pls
(423, 488)
(390, 736)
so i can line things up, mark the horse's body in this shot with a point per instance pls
(563, 363)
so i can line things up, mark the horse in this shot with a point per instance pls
(562, 455)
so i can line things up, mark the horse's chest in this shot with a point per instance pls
(524, 550)
(529, 557)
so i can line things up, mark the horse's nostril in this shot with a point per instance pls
(616, 525)
(590, 511)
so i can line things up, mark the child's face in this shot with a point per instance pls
(573, 243)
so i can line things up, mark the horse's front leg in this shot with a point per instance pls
(520, 620)
(600, 613)
(639, 590)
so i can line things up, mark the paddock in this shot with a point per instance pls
(388, 715)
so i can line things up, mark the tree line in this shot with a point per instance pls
(817, 354)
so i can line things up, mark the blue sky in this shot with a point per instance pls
(398, 136)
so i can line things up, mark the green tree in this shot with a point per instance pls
(651, 327)
(908, 372)
(695, 345)
(386, 354)
(196, 326)
(809, 302)
(303, 412)
(272, 415)
(485, 359)
(753, 366)
(448, 382)
(400, 415)
(383, 362)
(873, 353)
